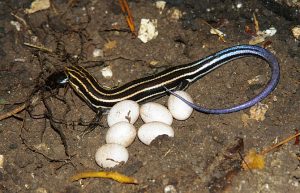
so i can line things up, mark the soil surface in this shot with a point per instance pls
(207, 151)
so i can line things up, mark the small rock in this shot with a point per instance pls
(170, 189)
(175, 14)
(160, 5)
(98, 53)
(16, 24)
(148, 30)
(41, 190)
(296, 32)
(107, 72)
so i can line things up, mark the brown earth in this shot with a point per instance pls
(206, 153)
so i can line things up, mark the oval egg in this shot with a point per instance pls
(179, 109)
(126, 110)
(111, 155)
(122, 133)
(151, 112)
(149, 131)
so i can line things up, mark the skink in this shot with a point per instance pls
(169, 80)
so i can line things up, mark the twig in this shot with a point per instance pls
(34, 150)
(256, 23)
(128, 16)
(19, 108)
(13, 111)
(41, 47)
(22, 21)
(55, 127)
(279, 144)
(215, 31)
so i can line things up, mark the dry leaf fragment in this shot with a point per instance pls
(260, 36)
(256, 40)
(175, 14)
(1, 161)
(38, 5)
(253, 160)
(245, 119)
(296, 32)
(259, 79)
(154, 62)
(102, 174)
(258, 111)
(110, 45)
(218, 33)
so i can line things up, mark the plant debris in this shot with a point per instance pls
(38, 5)
(128, 15)
(254, 160)
(148, 30)
(102, 174)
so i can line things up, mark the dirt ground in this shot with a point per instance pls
(206, 153)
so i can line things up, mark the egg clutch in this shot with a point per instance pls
(122, 132)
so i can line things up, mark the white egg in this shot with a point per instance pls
(126, 110)
(179, 109)
(149, 131)
(111, 155)
(122, 133)
(151, 112)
